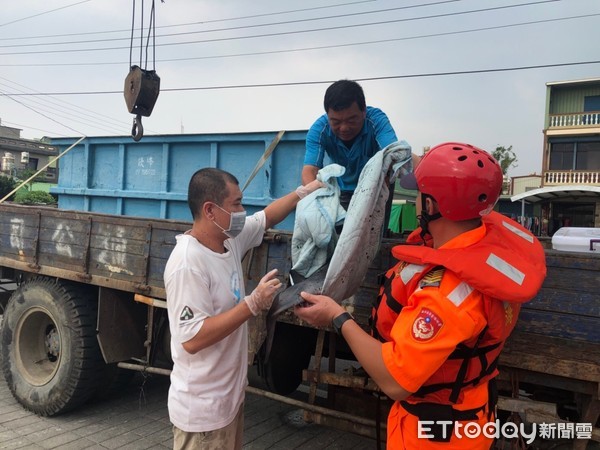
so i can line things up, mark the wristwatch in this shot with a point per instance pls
(340, 320)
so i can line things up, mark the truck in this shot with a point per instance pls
(88, 303)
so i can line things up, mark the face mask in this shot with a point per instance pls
(237, 220)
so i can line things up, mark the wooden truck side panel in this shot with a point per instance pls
(104, 250)
(568, 305)
(129, 254)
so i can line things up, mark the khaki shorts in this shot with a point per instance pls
(229, 437)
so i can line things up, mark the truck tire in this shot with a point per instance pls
(50, 355)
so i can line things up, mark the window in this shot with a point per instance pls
(588, 156)
(591, 103)
(561, 156)
(33, 163)
(575, 156)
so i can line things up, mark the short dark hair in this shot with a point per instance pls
(341, 95)
(208, 185)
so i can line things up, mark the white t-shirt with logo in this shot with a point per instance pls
(207, 388)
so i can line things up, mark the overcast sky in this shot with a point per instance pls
(241, 65)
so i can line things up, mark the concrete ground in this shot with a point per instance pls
(137, 418)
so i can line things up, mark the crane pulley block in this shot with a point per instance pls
(141, 90)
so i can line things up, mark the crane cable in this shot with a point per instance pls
(142, 85)
(151, 30)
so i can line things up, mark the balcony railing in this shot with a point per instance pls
(558, 177)
(584, 119)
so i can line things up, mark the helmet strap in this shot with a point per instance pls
(425, 218)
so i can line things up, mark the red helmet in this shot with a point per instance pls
(464, 180)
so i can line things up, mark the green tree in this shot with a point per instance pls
(505, 157)
(26, 173)
(6, 185)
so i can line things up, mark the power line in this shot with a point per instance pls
(322, 47)
(196, 23)
(51, 102)
(41, 108)
(244, 27)
(39, 112)
(303, 83)
(282, 33)
(87, 117)
(43, 13)
(32, 128)
(62, 109)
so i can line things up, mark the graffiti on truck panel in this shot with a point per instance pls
(63, 236)
(16, 235)
(115, 249)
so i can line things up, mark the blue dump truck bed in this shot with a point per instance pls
(149, 178)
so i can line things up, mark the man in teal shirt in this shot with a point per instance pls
(349, 133)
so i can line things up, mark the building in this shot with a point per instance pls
(19, 154)
(570, 190)
(527, 214)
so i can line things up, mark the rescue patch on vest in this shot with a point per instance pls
(432, 279)
(426, 325)
(186, 314)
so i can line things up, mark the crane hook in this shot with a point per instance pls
(137, 131)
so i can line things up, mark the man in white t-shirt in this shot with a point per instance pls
(208, 309)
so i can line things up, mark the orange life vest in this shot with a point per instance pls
(507, 266)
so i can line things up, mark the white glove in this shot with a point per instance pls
(311, 187)
(262, 296)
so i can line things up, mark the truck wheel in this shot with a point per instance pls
(50, 355)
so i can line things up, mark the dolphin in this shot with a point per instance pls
(291, 295)
(289, 298)
(359, 241)
(360, 238)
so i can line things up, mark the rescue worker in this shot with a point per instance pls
(445, 310)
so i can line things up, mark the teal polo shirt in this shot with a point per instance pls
(377, 133)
